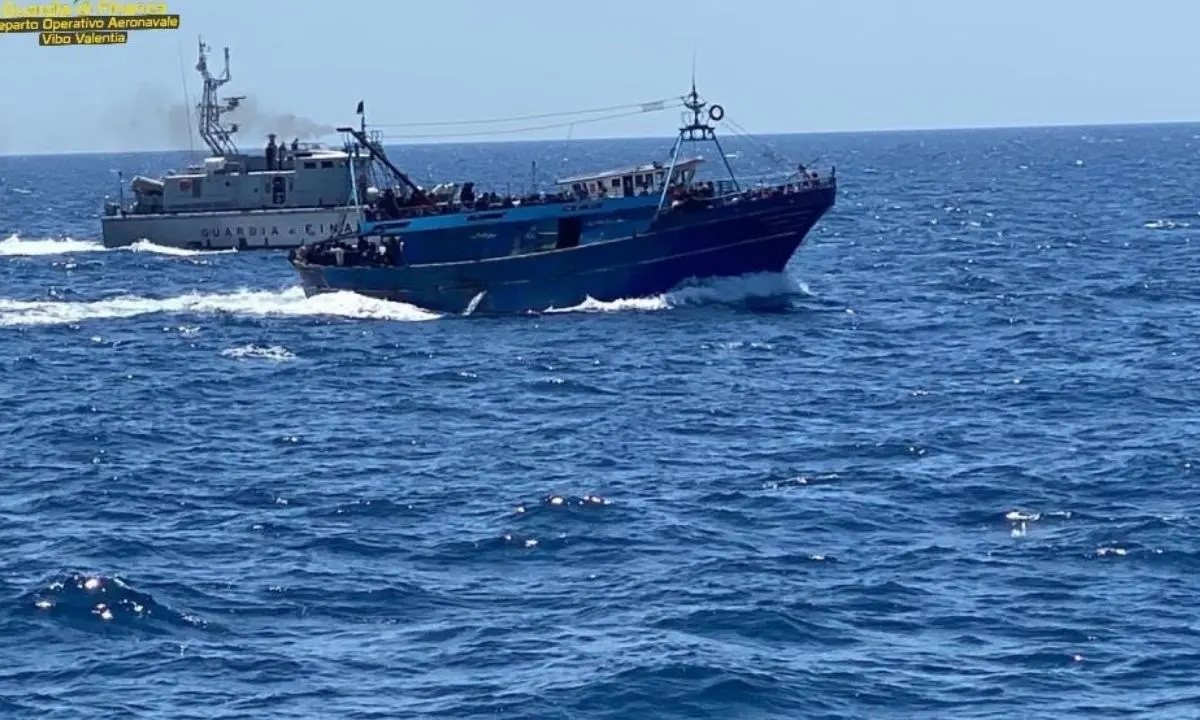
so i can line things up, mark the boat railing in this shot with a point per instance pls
(722, 190)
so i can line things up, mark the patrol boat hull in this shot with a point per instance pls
(244, 230)
(287, 196)
(758, 236)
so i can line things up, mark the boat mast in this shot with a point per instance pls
(696, 130)
(375, 149)
(217, 136)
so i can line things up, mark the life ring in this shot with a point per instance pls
(716, 112)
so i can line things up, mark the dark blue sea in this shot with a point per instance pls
(947, 467)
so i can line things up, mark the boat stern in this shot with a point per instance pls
(118, 231)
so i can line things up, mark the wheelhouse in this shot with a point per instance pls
(647, 179)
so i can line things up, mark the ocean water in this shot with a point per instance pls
(946, 466)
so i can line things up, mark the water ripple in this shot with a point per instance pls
(943, 467)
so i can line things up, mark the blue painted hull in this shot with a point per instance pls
(755, 236)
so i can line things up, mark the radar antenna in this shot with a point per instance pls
(215, 134)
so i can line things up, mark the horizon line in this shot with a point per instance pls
(506, 141)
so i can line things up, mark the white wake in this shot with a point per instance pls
(16, 246)
(746, 289)
(253, 303)
(715, 291)
(276, 353)
(149, 247)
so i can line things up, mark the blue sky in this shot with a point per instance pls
(775, 65)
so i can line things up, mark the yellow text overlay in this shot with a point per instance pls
(94, 23)
(69, 39)
(10, 9)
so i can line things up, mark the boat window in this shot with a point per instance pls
(326, 163)
(616, 182)
(310, 166)
(196, 185)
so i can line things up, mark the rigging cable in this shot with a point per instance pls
(187, 104)
(768, 151)
(641, 107)
(644, 108)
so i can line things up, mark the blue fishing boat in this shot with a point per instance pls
(625, 233)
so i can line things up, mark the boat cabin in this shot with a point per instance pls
(644, 179)
(299, 177)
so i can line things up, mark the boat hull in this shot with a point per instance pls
(753, 237)
(243, 230)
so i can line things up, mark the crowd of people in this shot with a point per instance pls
(343, 253)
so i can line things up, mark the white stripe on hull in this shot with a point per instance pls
(221, 231)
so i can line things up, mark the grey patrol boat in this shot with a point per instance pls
(284, 197)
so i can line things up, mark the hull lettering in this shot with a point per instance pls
(255, 231)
